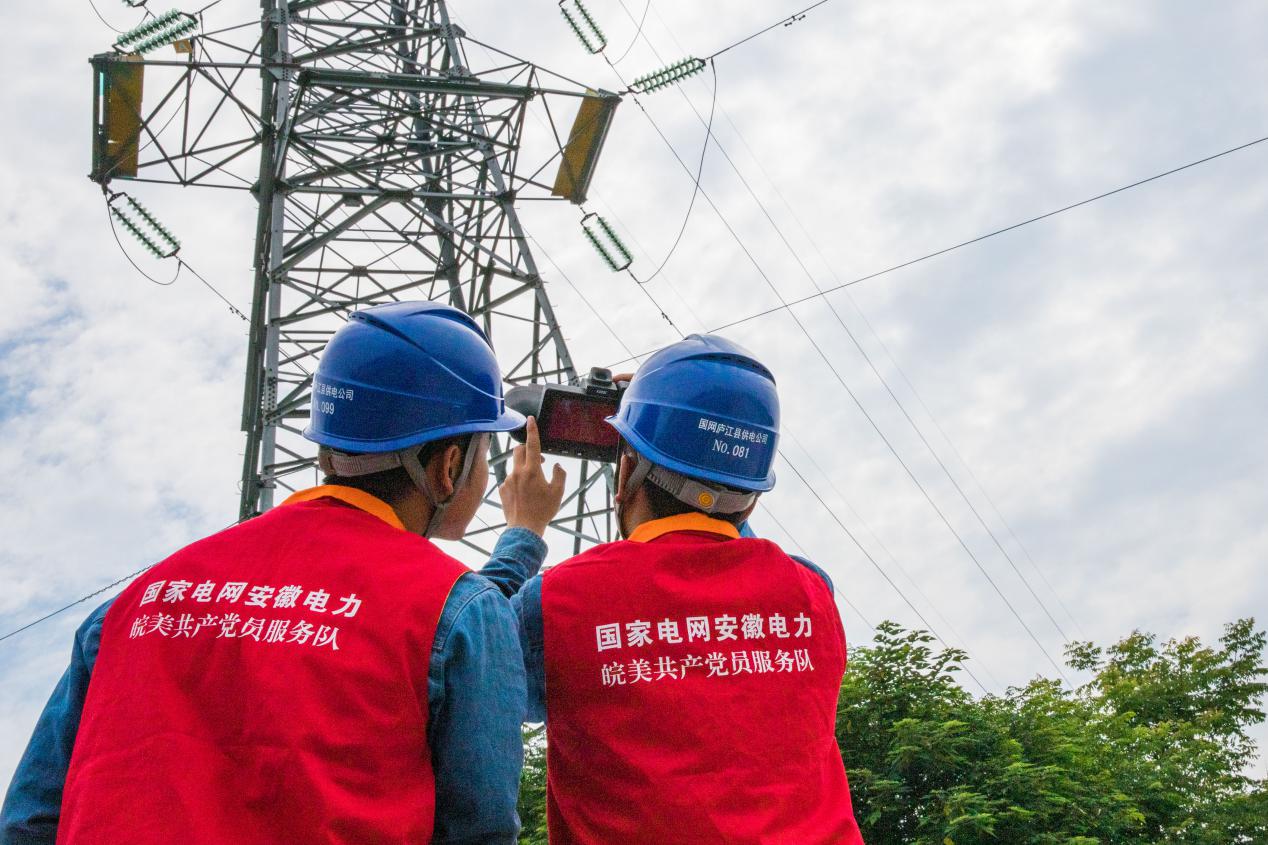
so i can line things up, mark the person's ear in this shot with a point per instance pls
(446, 467)
(624, 468)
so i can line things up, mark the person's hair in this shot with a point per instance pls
(663, 504)
(394, 484)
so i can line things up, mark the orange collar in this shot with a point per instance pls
(649, 531)
(359, 499)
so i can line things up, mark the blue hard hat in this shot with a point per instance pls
(705, 408)
(404, 374)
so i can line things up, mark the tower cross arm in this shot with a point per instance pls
(339, 78)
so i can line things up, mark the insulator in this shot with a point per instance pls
(585, 13)
(599, 248)
(613, 244)
(585, 33)
(616, 242)
(146, 28)
(151, 29)
(159, 241)
(168, 36)
(671, 75)
(173, 244)
(136, 232)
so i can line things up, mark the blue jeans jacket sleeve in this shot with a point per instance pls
(34, 800)
(516, 558)
(476, 702)
(476, 699)
(816, 569)
(527, 604)
(475, 685)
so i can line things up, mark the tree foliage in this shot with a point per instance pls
(1152, 749)
(532, 800)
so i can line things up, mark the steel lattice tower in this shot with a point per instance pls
(388, 170)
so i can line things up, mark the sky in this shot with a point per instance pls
(1090, 387)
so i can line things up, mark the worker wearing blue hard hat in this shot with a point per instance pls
(323, 672)
(688, 676)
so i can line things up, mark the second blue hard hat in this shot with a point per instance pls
(705, 408)
(404, 374)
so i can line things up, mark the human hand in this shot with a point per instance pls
(528, 499)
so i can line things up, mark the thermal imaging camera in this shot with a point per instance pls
(571, 418)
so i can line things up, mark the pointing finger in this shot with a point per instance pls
(532, 443)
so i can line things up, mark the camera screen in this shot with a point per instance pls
(579, 420)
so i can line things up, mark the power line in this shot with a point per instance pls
(109, 25)
(885, 549)
(77, 601)
(821, 501)
(901, 372)
(791, 434)
(181, 264)
(790, 303)
(840, 379)
(802, 551)
(784, 21)
(872, 560)
(787, 21)
(611, 212)
(637, 32)
(93, 594)
(695, 191)
(583, 297)
(880, 377)
(852, 537)
(233, 309)
(721, 216)
(889, 390)
(894, 397)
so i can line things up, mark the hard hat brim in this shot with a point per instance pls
(510, 420)
(656, 456)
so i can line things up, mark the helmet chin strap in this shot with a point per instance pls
(439, 506)
(346, 465)
(703, 497)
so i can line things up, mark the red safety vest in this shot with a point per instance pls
(691, 692)
(267, 684)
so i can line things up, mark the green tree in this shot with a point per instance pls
(1153, 749)
(532, 801)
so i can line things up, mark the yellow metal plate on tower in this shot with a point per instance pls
(122, 85)
(585, 142)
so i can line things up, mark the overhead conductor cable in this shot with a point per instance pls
(836, 373)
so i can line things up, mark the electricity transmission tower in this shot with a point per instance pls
(385, 167)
